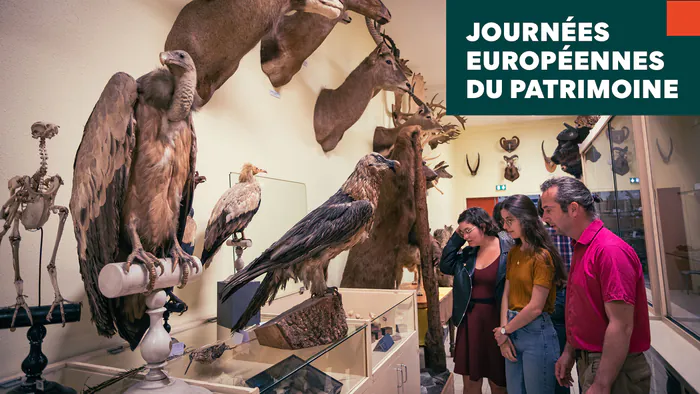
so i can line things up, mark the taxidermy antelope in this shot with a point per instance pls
(511, 172)
(619, 136)
(284, 49)
(549, 165)
(478, 162)
(511, 144)
(218, 33)
(620, 165)
(338, 109)
(666, 158)
(31, 203)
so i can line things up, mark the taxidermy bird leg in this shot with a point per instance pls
(58, 298)
(420, 281)
(148, 259)
(185, 260)
(15, 239)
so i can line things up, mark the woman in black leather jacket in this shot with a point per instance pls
(479, 277)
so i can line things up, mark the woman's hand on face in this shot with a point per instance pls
(508, 350)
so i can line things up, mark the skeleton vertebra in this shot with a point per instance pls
(31, 203)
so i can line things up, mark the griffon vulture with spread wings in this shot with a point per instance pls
(133, 183)
(233, 212)
(304, 252)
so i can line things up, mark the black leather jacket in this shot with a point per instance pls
(461, 264)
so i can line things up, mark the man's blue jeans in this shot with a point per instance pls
(559, 326)
(536, 351)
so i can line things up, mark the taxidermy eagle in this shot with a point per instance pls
(133, 181)
(233, 212)
(303, 253)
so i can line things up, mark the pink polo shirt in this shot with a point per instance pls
(604, 268)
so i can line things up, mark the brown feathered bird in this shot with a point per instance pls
(303, 252)
(233, 212)
(133, 183)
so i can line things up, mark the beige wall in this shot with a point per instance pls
(57, 57)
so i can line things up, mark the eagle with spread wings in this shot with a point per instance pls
(303, 252)
(133, 183)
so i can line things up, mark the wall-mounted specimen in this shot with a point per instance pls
(511, 144)
(283, 50)
(548, 164)
(478, 162)
(511, 172)
(304, 251)
(619, 136)
(593, 155)
(233, 212)
(218, 33)
(620, 164)
(31, 204)
(666, 158)
(567, 153)
(336, 110)
(125, 207)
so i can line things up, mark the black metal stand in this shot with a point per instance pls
(34, 364)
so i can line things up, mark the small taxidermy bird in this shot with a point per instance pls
(233, 212)
(133, 184)
(303, 252)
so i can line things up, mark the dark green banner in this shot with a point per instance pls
(551, 57)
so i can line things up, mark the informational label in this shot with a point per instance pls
(178, 348)
(275, 93)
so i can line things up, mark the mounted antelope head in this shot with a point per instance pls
(218, 33)
(511, 144)
(619, 136)
(666, 158)
(549, 165)
(511, 172)
(478, 162)
(338, 109)
(620, 164)
(284, 50)
(567, 154)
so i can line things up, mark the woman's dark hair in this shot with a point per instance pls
(532, 229)
(497, 217)
(481, 219)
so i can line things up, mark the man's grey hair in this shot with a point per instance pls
(571, 190)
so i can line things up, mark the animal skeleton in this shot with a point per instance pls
(31, 203)
(478, 162)
(666, 158)
(511, 172)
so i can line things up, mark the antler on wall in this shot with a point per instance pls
(666, 158)
(478, 162)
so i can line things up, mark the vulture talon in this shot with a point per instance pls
(149, 261)
(185, 261)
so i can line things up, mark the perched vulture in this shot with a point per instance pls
(303, 252)
(233, 212)
(133, 182)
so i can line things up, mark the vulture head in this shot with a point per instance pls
(249, 171)
(363, 183)
(177, 62)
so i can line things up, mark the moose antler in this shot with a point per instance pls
(666, 158)
(478, 162)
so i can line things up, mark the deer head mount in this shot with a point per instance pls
(620, 165)
(666, 158)
(593, 155)
(620, 135)
(567, 153)
(217, 34)
(478, 162)
(549, 165)
(283, 50)
(511, 172)
(433, 175)
(338, 109)
(511, 144)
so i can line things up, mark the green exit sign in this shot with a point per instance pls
(500, 188)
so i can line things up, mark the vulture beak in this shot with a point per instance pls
(163, 57)
(393, 165)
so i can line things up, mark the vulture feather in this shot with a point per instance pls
(303, 252)
(233, 212)
(133, 183)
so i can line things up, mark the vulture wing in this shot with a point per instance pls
(232, 213)
(331, 225)
(100, 181)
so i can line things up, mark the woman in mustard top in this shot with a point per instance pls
(527, 338)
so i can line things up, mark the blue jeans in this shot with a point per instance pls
(536, 352)
(560, 328)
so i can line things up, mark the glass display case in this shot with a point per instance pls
(345, 366)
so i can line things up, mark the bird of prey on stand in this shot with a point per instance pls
(303, 252)
(233, 212)
(133, 183)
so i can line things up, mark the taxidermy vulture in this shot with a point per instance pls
(218, 33)
(303, 252)
(233, 212)
(133, 182)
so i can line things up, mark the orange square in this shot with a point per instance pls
(683, 18)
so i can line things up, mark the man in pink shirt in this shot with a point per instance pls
(607, 320)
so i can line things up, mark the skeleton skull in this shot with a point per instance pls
(44, 130)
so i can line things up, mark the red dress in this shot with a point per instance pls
(476, 351)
